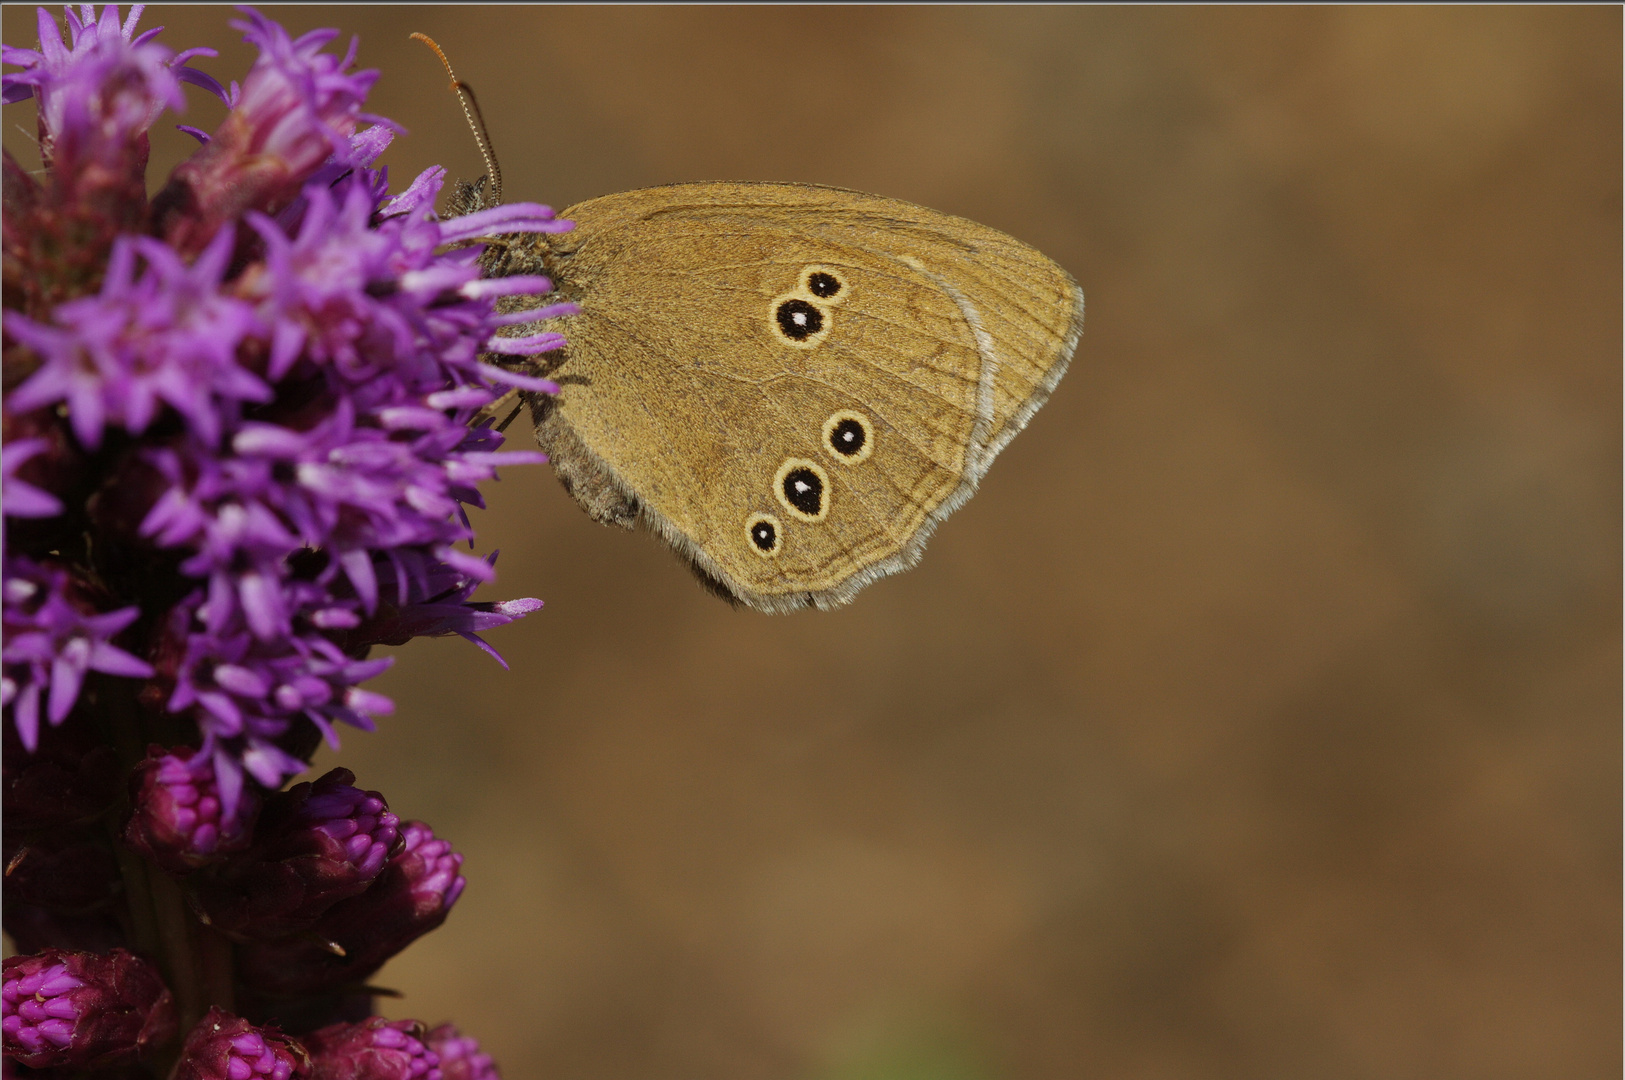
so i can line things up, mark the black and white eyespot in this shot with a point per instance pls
(797, 320)
(764, 534)
(802, 487)
(849, 437)
(825, 283)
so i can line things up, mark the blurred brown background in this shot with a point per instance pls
(1261, 716)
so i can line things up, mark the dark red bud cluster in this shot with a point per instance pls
(354, 938)
(316, 844)
(76, 1010)
(178, 817)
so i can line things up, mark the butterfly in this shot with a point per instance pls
(792, 385)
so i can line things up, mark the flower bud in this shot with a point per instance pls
(316, 844)
(460, 1056)
(411, 897)
(375, 1049)
(227, 1047)
(81, 1010)
(176, 816)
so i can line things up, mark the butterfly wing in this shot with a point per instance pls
(694, 398)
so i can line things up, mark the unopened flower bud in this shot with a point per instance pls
(80, 1010)
(460, 1056)
(375, 1049)
(177, 818)
(411, 897)
(227, 1047)
(316, 844)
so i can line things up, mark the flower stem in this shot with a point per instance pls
(182, 960)
(144, 936)
(195, 960)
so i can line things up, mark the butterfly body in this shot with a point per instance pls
(791, 384)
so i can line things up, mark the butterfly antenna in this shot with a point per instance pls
(476, 120)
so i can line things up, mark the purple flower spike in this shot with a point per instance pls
(176, 816)
(244, 418)
(411, 897)
(79, 1010)
(460, 1056)
(316, 844)
(227, 1047)
(21, 498)
(375, 1049)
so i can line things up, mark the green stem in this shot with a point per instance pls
(144, 936)
(184, 969)
(215, 956)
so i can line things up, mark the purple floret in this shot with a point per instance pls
(101, 89)
(20, 498)
(165, 335)
(245, 693)
(50, 643)
(460, 1056)
(297, 109)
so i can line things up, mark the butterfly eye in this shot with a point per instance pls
(848, 438)
(765, 536)
(802, 487)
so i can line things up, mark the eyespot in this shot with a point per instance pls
(848, 436)
(798, 321)
(803, 488)
(825, 283)
(765, 534)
